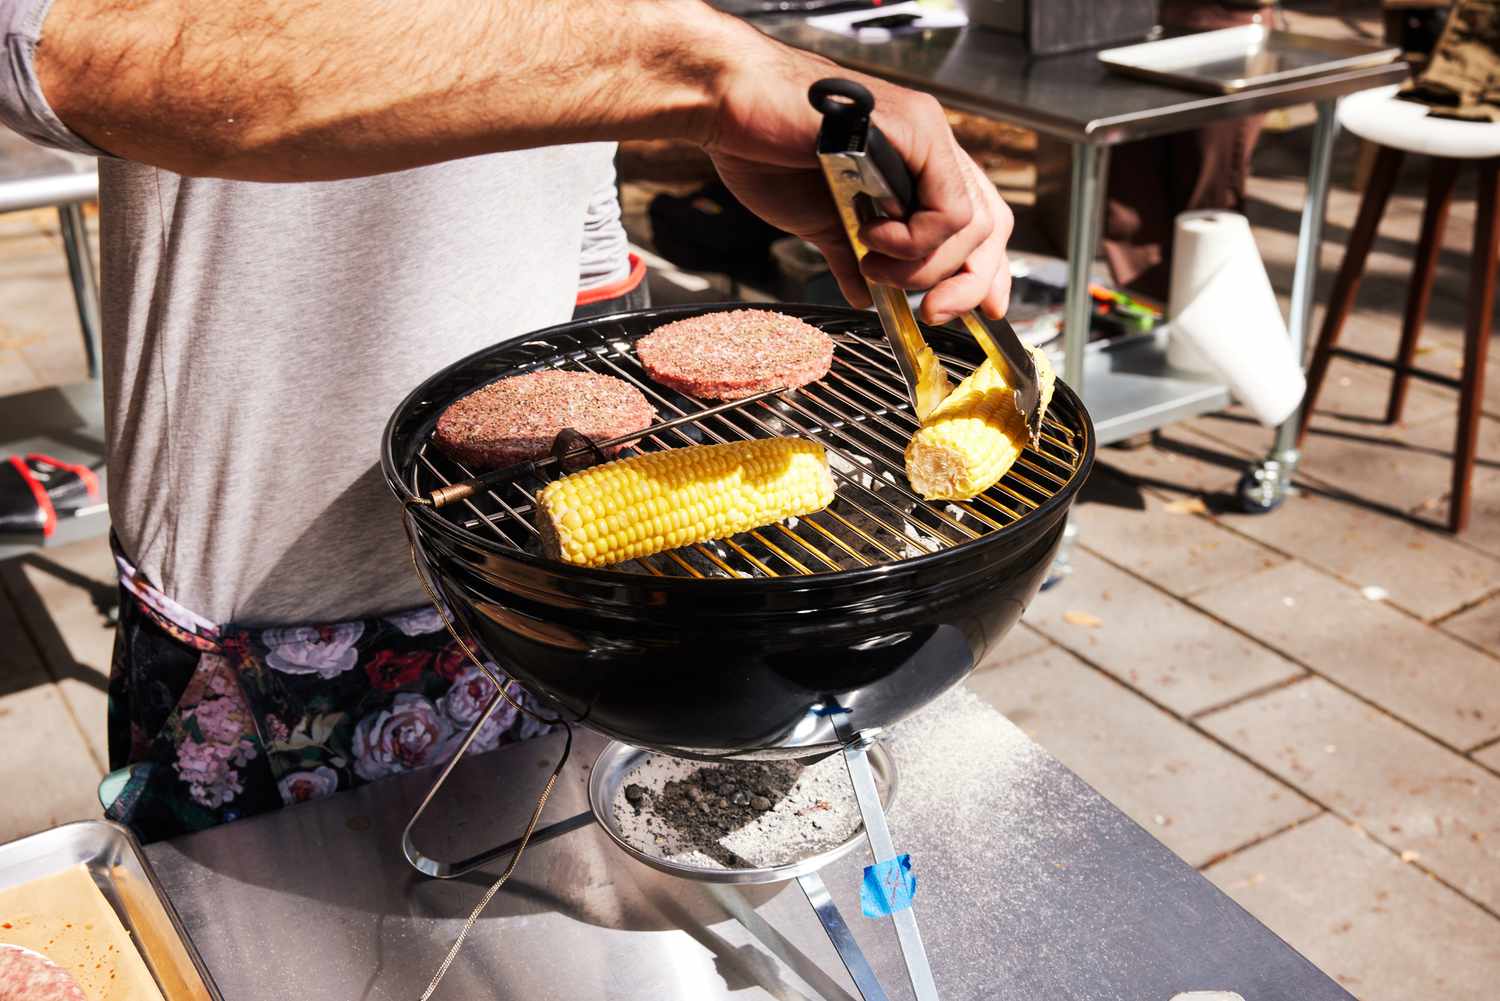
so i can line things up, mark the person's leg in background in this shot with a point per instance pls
(1152, 181)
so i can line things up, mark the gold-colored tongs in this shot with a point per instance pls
(868, 179)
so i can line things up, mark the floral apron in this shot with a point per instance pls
(221, 722)
(217, 722)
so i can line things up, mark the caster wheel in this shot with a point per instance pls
(1255, 495)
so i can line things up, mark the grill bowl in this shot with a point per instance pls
(741, 665)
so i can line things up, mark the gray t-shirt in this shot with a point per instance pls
(258, 336)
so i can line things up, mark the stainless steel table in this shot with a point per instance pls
(1073, 98)
(1030, 886)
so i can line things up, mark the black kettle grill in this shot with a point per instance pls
(747, 646)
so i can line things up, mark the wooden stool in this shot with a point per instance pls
(1397, 128)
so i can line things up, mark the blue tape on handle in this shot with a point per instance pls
(888, 887)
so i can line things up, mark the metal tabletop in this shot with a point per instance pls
(1072, 97)
(1030, 886)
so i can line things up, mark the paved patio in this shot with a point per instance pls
(1305, 705)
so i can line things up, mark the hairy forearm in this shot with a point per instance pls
(294, 90)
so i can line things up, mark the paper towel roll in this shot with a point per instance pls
(1204, 242)
(1234, 323)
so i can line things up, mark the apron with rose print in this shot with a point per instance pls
(217, 722)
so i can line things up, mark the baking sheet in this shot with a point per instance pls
(118, 868)
(1235, 59)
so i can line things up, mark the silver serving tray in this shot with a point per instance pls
(1235, 59)
(618, 761)
(121, 873)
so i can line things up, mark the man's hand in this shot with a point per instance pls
(763, 143)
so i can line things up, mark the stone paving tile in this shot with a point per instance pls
(1199, 799)
(1489, 757)
(1160, 539)
(38, 318)
(1380, 928)
(1479, 625)
(1424, 571)
(15, 375)
(1354, 398)
(59, 593)
(49, 775)
(1177, 461)
(1377, 331)
(41, 318)
(1022, 641)
(1445, 688)
(1367, 461)
(1403, 788)
(1436, 444)
(1153, 642)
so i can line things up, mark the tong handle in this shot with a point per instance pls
(846, 107)
(861, 188)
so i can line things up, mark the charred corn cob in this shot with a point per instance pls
(650, 503)
(973, 437)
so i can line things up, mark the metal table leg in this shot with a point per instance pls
(75, 237)
(1264, 485)
(1085, 215)
(1085, 220)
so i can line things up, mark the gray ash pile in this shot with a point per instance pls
(735, 815)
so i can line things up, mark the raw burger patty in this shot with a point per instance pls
(728, 356)
(29, 976)
(517, 419)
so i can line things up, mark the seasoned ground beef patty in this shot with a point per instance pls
(518, 418)
(731, 355)
(29, 976)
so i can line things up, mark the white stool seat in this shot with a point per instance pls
(1377, 115)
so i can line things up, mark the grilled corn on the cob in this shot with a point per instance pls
(974, 436)
(650, 503)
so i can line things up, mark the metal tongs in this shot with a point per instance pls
(868, 179)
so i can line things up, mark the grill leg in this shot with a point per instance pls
(842, 938)
(439, 869)
(813, 975)
(884, 849)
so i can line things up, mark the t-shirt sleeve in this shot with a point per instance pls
(605, 254)
(23, 106)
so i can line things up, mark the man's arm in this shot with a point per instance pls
(301, 90)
